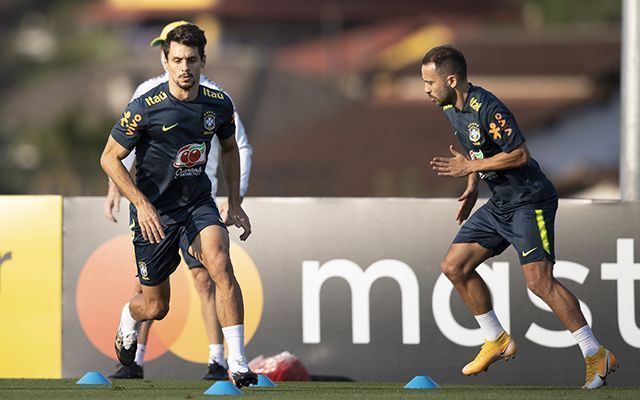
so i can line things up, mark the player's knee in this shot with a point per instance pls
(453, 271)
(203, 283)
(540, 286)
(219, 266)
(222, 275)
(157, 310)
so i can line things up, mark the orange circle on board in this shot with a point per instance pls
(107, 282)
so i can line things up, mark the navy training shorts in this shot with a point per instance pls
(530, 231)
(155, 262)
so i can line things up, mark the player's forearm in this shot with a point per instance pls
(231, 169)
(245, 168)
(245, 150)
(501, 161)
(119, 175)
(472, 182)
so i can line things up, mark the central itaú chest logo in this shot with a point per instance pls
(190, 155)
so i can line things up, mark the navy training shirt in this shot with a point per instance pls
(485, 126)
(172, 139)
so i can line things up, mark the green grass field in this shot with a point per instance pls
(145, 389)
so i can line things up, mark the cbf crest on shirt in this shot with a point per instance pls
(485, 127)
(172, 139)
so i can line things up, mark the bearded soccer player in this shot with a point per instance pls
(521, 212)
(171, 128)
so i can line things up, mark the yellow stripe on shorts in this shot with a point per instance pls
(542, 227)
(133, 237)
(133, 234)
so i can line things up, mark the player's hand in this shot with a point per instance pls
(224, 212)
(239, 218)
(467, 201)
(112, 202)
(150, 224)
(456, 166)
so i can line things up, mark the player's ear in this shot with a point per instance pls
(165, 63)
(452, 81)
(204, 60)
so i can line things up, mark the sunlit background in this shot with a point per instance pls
(329, 90)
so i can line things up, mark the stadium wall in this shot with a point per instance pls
(353, 287)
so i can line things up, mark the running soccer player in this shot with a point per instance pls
(171, 127)
(521, 212)
(217, 365)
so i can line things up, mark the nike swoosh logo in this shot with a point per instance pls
(606, 369)
(526, 253)
(167, 128)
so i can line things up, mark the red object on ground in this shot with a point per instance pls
(281, 367)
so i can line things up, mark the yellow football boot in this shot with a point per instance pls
(503, 347)
(599, 366)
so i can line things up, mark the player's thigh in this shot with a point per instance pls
(477, 240)
(155, 261)
(532, 234)
(464, 258)
(538, 276)
(194, 265)
(211, 247)
(201, 278)
(206, 235)
(157, 296)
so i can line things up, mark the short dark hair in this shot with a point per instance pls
(187, 34)
(447, 59)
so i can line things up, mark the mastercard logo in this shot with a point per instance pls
(107, 282)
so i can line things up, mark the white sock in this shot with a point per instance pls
(234, 335)
(490, 326)
(127, 323)
(587, 342)
(216, 354)
(140, 354)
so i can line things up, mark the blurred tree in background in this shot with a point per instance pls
(582, 12)
(56, 120)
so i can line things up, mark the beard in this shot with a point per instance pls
(186, 85)
(449, 97)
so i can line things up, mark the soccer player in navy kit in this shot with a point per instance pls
(171, 128)
(521, 212)
(217, 365)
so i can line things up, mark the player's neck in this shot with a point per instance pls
(461, 95)
(181, 94)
